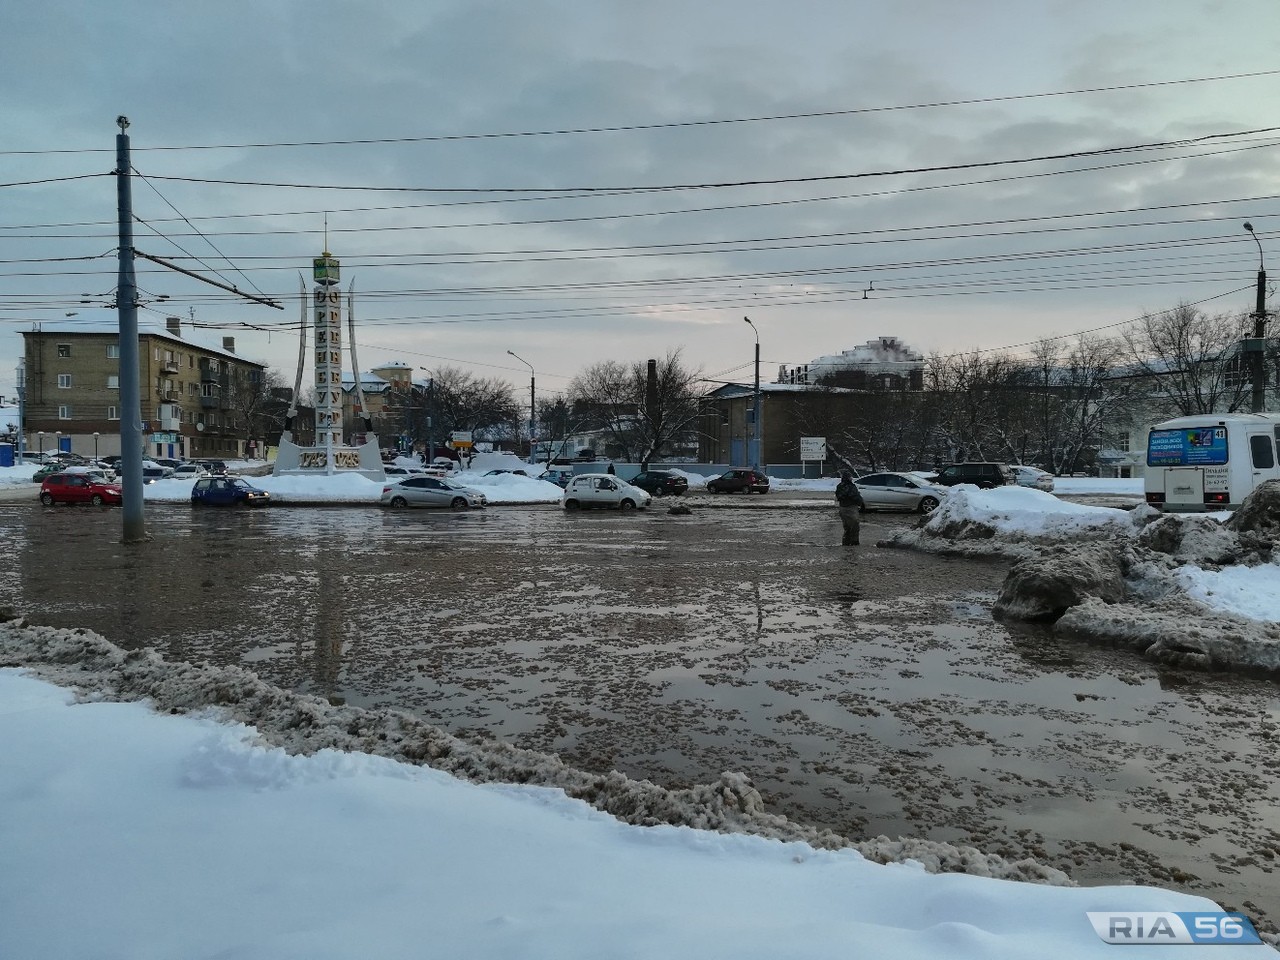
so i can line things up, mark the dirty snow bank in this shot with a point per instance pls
(1184, 589)
(302, 724)
(1013, 522)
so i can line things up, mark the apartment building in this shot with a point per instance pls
(196, 395)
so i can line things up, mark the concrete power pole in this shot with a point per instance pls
(130, 369)
(1257, 347)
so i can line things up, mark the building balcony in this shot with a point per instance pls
(170, 366)
(210, 402)
(169, 424)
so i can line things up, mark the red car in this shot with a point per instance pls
(77, 488)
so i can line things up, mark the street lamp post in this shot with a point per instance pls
(533, 407)
(753, 451)
(1256, 348)
(57, 440)
(40, 434)
(95, 444)
(431, 439)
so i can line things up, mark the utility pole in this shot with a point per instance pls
(22, 410)
(130, 388)
(533, 408)
(753, 451)
(1256, 348)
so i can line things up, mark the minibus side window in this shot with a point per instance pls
(1264, 453)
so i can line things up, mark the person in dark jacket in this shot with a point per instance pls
(850, 504)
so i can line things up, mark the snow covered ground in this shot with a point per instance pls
(506, 488)
(128, 832)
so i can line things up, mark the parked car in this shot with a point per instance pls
(431, 492)
(899, 491)
(189, 471)
(227, 491)
(100, 474)
(560, 476)
(984, 475)
(395, 470)
(494, 473)
(77, 488)
(587, 490)
(1032, 477)
(169, 462)
(660, 482)
(217, 468)
(152, 474)
(48, 470)
(739, 481)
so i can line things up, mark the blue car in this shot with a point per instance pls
(227, 491)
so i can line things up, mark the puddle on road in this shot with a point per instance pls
(864, 690)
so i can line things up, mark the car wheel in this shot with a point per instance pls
(97, 500)
(46, 499)
(928, 504)
(399, 502)
(571, 504)
(626, 505)
(458, 503)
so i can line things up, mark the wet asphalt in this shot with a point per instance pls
(863, 689)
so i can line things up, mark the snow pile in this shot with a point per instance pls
(1186, 590)
(1013, 521)
(305, 725)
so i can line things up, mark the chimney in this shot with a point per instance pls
(229, 344)
(173, 325)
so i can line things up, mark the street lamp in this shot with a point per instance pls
(1257, 347)
(754, 443)
(95, 444)
(57, 436)
(533, 407)
(431, 440)
(40, 434)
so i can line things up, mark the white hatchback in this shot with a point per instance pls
(1031, 477)
(588, 490)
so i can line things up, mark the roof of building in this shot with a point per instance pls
(106, 322)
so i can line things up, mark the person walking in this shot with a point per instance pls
(849, 500)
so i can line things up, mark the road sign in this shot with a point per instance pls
(813, 448)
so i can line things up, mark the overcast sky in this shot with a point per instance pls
(459, 278)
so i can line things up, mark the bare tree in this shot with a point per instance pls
(1189, 360)
(460, 401)
(977, 404)
(641, 417)
(1073, 395)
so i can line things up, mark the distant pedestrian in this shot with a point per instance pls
(610, 470)
(849, 501)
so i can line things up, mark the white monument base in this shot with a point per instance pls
(293, 460)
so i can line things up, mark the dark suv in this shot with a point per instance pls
(660, 482)
(739, 481)
(984, 475)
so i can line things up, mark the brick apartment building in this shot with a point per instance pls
(194, 395)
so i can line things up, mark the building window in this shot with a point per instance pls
(64, 381)
(64, 350)
(113, 382)
(113, 351)
(113, 413)
(64, 412)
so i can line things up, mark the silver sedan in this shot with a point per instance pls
(419, 491)
(899, 491)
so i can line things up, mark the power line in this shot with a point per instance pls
(624, 128)
(716, 185)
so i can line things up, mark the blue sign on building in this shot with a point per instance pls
(1194, 446)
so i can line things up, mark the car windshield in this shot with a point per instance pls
(242, 484)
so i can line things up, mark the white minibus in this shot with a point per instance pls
(1210, 462)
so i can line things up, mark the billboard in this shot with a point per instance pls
(1187, 446)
